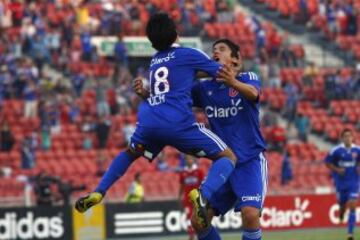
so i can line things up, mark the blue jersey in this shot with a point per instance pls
(231, 116)
(347, 159)
(172, 75)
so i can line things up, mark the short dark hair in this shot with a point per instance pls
(161, 31)
(235, 49)
(345, 130)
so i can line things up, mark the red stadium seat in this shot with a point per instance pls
(283, 8)
(313, 7)
(272, 4)
(210, 30)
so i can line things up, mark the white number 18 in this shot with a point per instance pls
(161, 84)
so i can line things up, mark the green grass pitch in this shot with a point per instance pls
(309, 234)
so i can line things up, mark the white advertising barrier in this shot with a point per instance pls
(124, 221)
(35, 223)
(279, 212)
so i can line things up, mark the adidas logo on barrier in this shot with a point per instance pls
(130, 223)
(29, 227)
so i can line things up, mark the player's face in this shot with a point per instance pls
(222, 54)
(189, 160)
(347, 138)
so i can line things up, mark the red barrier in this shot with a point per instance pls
(305, 211)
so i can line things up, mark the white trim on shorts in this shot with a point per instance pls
(264, 176)
(212, 136)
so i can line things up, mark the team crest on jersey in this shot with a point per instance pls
(354, 155)
(233, 92)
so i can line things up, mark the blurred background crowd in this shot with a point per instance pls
(66, 109)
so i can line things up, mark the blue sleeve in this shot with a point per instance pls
(195, 94)
(331, 157)
(250, 78)
(199, 61)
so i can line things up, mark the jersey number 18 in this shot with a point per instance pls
(160, 83)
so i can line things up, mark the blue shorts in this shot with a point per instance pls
(350, 193)
(246, 187)
(194, 139)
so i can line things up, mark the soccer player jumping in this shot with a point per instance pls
(232, 107)
(166, 117)
(343, 160)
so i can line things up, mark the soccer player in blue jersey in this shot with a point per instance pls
(343, 160)
(232, 108)
(166, 117)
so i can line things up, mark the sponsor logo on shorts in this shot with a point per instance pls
(256, 198)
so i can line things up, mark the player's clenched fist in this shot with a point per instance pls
(139, 89)
(227, 75)
(138, 85)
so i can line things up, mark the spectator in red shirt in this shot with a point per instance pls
(278, 138)
(17, 9)
(190, 177)
(274, 43)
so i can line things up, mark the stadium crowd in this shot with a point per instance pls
(52, 77)
(337, 20)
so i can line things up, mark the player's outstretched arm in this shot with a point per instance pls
(139, 89)
(228, 76)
